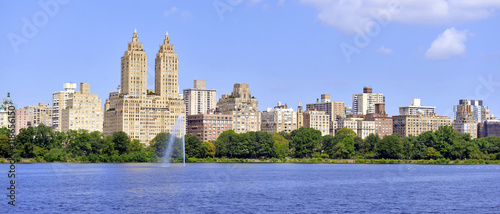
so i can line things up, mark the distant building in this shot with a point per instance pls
(465, 120)
(416, 109)
(208, 127)
(300, 116)
(406, 125)
(365, 102)
(318, 120)
(489, 127)
(199, 99)
(479, 111)
(348, 111)
(33, 116)
(59, 103)
(359, 125)
(83, 111)
(244, 108)
(4, 111)
(336, 110)
(383, 123)
(278, 119)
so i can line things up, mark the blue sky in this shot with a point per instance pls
(290, 51)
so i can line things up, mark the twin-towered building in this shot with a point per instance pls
(137, 111)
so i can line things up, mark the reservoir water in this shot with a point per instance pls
(252, 188)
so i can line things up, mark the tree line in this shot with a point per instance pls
(43, 144)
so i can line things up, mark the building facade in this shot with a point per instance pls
(406, 125)
(365, 102)
(416, 109)
(208, 127)
(318, 120)
(133, 110)
(83, 111)
(33, 116)
(243, 107)
(479, 111)
(59, 103)
(336, 110)
(4, 111)
(383, 123)
(489, 127)
(199, 99)
(278, 119)
(300, 116)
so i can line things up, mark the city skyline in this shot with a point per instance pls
(297, 60)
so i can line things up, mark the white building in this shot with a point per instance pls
(365, 102)
(416, 109)
(278, 119)
(59, 103)
(199, 99)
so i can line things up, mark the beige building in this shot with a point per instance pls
(361, 127)
(33, 116)
(278, 119)
(83, 111)
(365, 102)
(133, 110)
(465, 121)
(318, 120)
(208, 127)
(300, 116)
(336, 110)
(416, 109)
(244, 108)
(383, 123)
(4, 111)
(406, 125)
(59, 103)
(199, 100)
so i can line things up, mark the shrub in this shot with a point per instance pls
(457, 161)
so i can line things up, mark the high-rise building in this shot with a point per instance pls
(33, 116)
(490, 127)
(4, 111)
(479, 111)
(406, 125)
(416, 109)
(208, 127)
(83, 111)
(318, 120)
(336, 110)
(383, 123)
(199, 99)
(465, 119)
(365, 102)
(244, 108)
(278, 119)
(300, 116)
(59, 103)
(133, 110)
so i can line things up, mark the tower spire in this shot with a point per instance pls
(135, 33)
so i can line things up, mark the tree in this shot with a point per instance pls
(208, 149)
(224, 143)
(193, 146)
(24, 142)
(343, 149)
(281, 146)
(390, 147)
(159, 143)
(368, 145)
(433, 153)
(136, 146)
(328, 142)
(346, 131)
(5, 149)
(121, 142)
(304, 140)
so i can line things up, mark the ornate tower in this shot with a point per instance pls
(166, 71)
(134, 69)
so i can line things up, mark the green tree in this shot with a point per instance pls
(390, 147)
(368, 145)
(281, 146)
(208, 149)
(193, 146)
(304, 141)
(24, 142)
(5, 149)
(136, 146)
(159, 143)
(433, 153)
(346, 131)
(121, 142)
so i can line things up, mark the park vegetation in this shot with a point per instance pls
(42, 144)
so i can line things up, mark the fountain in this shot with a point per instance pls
(178, 129)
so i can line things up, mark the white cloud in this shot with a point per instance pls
(448, 44)
(171, 11)
(349, 15)
(384, 50)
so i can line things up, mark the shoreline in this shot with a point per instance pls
(296, 160)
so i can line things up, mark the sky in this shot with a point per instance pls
(439, 51)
